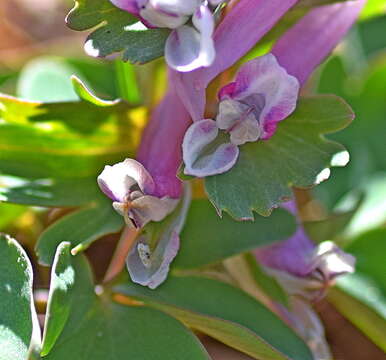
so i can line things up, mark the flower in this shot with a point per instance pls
(189, 45)
(302, 267)
(130, 187)
(250, 108)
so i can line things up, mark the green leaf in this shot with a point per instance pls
(80, 229)
(9, 213)
(82, 324)
(207, 239)
(19, 327)
(119, 31)
(60, 296)
(40, 140)
(362, 296)
(225, 313)
(49, 192)
(266, 170)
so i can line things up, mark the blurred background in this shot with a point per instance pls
(38, 54)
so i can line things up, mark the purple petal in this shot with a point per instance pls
(305, 45)
(265, 77)
(241, 28)
(202, 156)
(161, 144)
(132, 6)
(150, 268)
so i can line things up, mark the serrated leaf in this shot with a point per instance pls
(225, 313)
(80, 229)
(19, 327)
(266, 170)
(207, 239)
(116, 33)
(46, 140)
(91, 327)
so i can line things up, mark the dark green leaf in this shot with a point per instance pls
(206, 238)
(225, 313)
(80, 229)
(266, 170)
(19, 327)
(91, 327)
(115, 34)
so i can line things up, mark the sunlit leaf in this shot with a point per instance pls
(225, 313)
(39, 140)
(297, 155)
(91, 327)
(19, 327)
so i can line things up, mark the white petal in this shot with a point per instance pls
(161, 19)
(115, 181)
(178, 7)
(202, 155)
(187, 49)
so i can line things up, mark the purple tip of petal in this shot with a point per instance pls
(199, 163)
(227, 91)
(132, 6)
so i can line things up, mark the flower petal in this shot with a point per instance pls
(308, 42)
(157, 17)
(235, 117)
(205, 153)
(151, 208)
(178, 7)
(150, 268)
(132, 6)
(187, 49)
(115, 181)
(265, 77)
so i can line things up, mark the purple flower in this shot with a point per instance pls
(250, 108)
(148, 191)
(190, 45)
(302, 267)
(131, 188)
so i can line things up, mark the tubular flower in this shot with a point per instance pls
(190, 44)
(149, 195)
(305, 271)
(250, 108)
(302, 267)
